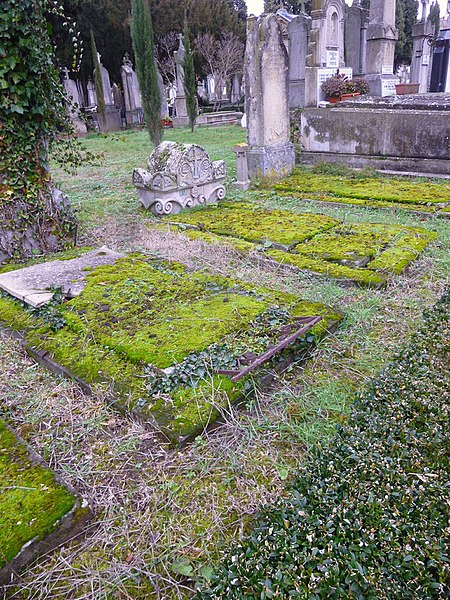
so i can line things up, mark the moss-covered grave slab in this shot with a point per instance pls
(37, 510)
(159, 335)
(350, 187)
(364, 253)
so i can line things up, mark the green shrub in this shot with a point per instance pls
(368, 515)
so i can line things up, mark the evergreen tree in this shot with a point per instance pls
(98, 83)
(146, 70)
(435, 17)
(405, 18)
(190, 88)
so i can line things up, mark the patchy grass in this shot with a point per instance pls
(162, 517)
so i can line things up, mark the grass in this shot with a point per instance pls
(162, 517)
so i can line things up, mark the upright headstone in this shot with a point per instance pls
(236, 88)
(423, 38)
(325, 47)
(181, 116)
(113, 118)
(71, 89)
(131, 92)
(381, 38)
(270, 152)
(92, 96)
(356, 24)
(298, 31)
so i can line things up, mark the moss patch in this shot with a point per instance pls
(358, 188)
(158, 334)
(31, 501)
(363, 253)
(256, 224)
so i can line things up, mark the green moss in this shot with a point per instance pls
(358, 188)
(359, 276)
(211, 238)
(254, 223)
(13, 313)
(31, 501)
(143, 315)
(190, 409)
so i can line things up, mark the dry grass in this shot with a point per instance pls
(154, 506)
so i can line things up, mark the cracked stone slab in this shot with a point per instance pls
(35, 285)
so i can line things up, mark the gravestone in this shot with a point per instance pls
(131, 92)
(91, 94)
(72, 92)
(270, 152)
(298, 31)
(179, 176)
(181, 116)
(381, 38)
(423, 38)
(113, 119)
(356, 23)
(325, 47)
(236, 88)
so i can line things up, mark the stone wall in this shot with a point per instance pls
(412, 131)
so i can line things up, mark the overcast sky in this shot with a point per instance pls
(256, 6)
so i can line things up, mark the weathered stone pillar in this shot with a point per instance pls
(242, 179)
(180, 117)
(270, 151)
(422, 34)
(381, 38)
(298, 31)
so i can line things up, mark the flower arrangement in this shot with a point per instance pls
(167, 122)
(338, 85)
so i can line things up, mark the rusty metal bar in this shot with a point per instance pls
(308, 323)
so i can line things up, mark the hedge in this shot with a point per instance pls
(368, 517)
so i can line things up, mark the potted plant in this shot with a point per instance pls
(167, 122)
(334, 87)
(358, 85)
(406, 88)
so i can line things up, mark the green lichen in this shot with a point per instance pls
(31, 501)
(256, 224)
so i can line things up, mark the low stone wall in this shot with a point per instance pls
(219, 118)
(411, 133)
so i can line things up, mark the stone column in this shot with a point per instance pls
(423, 35)
(242, 179)
(298, 31)
(180, 117)
(270, 152)
(381, 38)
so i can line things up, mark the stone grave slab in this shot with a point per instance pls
(35, 285)
(364, 253)
(38, 511)
(174, 346)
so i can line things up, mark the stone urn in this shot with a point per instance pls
(179, 176)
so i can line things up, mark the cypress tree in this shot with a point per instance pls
(190, 88)
(98, 83)
(435, 17)
(146, 70)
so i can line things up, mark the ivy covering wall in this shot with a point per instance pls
(34, 218)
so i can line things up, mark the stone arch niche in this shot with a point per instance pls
(334, 27)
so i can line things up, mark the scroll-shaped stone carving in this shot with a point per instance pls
(179, 176)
